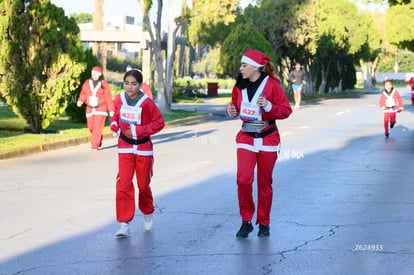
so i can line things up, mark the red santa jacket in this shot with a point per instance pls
(391, 102)
(278, 107)
(98, 100)
(144, 119)
(411, 83)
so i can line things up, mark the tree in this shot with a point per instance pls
(208, 65)
(40, 58)
(174, 25)
(156, 47)
(398, 25)
(330, 32)
(82, 17)
(242, 38)
(209, 21)
(164, 76)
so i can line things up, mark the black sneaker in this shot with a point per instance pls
(244, 230)
(263, 231)
(392, 125)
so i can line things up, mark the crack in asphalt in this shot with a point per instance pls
(17, 234)
(267, 268)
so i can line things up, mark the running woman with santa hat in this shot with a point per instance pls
(259, 100)
(98, 98)
(135, 119)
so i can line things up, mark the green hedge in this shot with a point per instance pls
(202, 83)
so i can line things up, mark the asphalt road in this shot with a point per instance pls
(343, 202)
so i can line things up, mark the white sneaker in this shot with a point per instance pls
(297, 106)
(148, 222)
(123, 231)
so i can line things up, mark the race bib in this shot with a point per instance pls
(93, 101)
(130, 114)
(390, 102)
(249, 111)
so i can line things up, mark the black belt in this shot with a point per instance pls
(262, 134)
(133, 141)
(96, 106)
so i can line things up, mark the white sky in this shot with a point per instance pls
(114, 7)
(111, 7)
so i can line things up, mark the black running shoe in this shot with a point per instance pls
(392, 125)
(244, 230)
(263, 231)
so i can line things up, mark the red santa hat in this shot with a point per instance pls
(97, 70)
(255, 58)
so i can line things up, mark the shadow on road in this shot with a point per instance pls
(326, 204)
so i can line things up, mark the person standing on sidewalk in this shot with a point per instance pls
(97, 96)
(297, 78)
(259, 100)
(390, 103)
(135, 119)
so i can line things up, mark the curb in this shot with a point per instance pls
(85, 139)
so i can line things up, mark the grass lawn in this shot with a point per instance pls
(13, 136)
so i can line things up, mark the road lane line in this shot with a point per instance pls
(343, 112)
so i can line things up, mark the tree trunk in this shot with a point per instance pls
(99, 49)
(156, 40)
(324, 76)
(310, 78)
(339, 67)
(171, 47)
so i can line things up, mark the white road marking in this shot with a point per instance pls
(285, 134)
(343, 112)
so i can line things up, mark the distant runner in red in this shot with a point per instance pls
(135, 119)
(390, 103)
(259, 100)
(97, 96)
(411, 83)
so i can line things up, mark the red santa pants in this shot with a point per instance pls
(125, 192)
(389, 118)
(246, 162)
(96, 123)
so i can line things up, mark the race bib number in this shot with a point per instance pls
(93, 101)
(249, 111)
(131, 115)
(390, 102)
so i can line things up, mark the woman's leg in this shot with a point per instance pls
(143, 167)
(246, 162)
(265, 165)
(125, 193)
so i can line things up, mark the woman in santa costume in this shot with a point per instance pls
(135, 119)
(98, 98)
(390, 103)
(411, 84)
(259, 100)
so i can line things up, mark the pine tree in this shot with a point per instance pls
(40, 52)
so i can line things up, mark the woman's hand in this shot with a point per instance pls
(262, 102)
(231, 110)
(128, 132)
